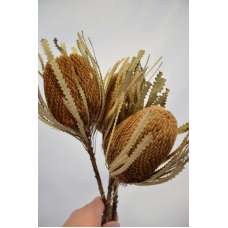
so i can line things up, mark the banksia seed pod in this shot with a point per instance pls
(73, 88)
(160, 125)
(75, 70)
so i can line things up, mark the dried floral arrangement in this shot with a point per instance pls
(126, 107)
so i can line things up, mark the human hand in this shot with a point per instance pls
(89, 215)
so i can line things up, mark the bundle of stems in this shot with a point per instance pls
(79, 102)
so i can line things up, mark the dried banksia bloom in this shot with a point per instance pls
(80, 79)
(138, 132)
(140, 150)
(74, 94)
(141, 143)
(73, 88)
(128, 89)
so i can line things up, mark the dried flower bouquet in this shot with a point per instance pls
(126, 107)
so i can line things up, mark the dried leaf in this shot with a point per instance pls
(165, 178)
(156, 88)
(162, 99)
(133, 139)
(41, 75)
(82, 93)
(141, 146)
(69, 101)
(177, 158)
(142, 93)
(110, 75)
(47, 49)
(114, 124)
(153, 66)
(46, 116)
(41, 61)
(184, 128)
(82, 46)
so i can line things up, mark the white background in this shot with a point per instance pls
(117, 29)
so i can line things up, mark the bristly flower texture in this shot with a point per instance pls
(126, 107)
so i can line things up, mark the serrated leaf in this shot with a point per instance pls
(143, 122)
(179, 157)
(157, 87)
(119, 106)
(81, 93)
(140, 93)
(140, 148)
(184, 128)
(47, 49)
(47, 117)
(123, 78)
(41, 61)
(162, 99)
(91, 59)
(68, 101)
(164, 178)
(146, 87)
(115, 97)
(111, 75)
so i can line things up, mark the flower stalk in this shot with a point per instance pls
(115, 201)
(107, 216)
(96, 171)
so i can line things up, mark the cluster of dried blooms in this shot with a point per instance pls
(138, 132)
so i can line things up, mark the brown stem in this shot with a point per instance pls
(115, 201)
(95, 169)
(107, 216)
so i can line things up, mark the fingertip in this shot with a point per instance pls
(98, 198)
(112, 224)
(98, 204)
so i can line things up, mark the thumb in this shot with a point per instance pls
(89, 215)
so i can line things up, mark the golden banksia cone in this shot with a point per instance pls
(75, 70)
(73, 89)
(141, 143)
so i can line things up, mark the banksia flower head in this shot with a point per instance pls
(138, 132)
(73, 89)
(141, 143)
